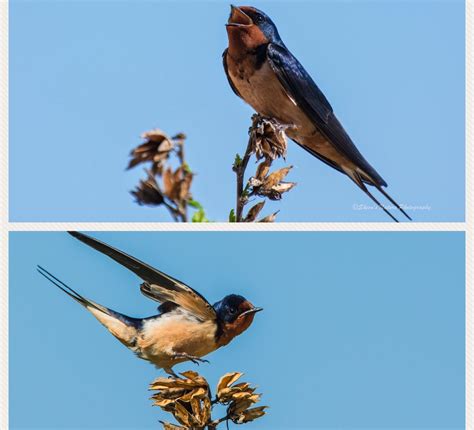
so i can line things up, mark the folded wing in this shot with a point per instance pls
(301, 88)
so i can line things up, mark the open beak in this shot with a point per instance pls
(238, 18)
(251, 311)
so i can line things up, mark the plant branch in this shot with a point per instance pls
(240, 172)
(267, 141)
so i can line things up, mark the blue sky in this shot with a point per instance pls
(87, 77)
(360, 330)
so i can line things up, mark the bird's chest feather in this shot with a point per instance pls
(262, 90)
(175, 332)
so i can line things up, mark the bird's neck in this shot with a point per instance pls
(227, 331)
(243, 42)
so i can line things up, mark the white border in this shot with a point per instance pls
(6, 226)
(220, 226)
(469, 215)
(4, 214)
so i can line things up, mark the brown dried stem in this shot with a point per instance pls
(240, 172)
(267, 141)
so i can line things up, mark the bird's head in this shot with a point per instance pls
(235, 314)
(250, 27)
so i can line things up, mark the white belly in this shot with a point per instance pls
(175, 332)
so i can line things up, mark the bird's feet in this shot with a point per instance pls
(194, 358)
(171, 374)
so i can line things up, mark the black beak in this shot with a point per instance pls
(238, 18)
(251, 311)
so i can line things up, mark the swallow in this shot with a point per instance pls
(265, 74)
(186, 328)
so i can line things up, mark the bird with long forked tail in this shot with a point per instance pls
(187, 327)
(265, 74)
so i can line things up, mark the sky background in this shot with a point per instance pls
(359, 330)
(88, 77)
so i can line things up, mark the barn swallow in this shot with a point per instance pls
(187, 326)
(265, 74)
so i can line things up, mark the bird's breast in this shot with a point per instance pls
(175, 332)
(262, 90)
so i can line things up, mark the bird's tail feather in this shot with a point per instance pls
(70, 292)
(360, 183)
(124, 328)
(367, 179)
(392, 201)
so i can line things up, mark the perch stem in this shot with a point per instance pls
(240, 171)
(183, 206)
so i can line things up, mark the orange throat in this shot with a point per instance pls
(244, 39)
(231, 330)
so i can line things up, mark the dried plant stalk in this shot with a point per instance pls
(188, 399)
(267, 141)
(165, 186)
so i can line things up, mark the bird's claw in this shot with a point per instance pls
(195, 359)
(198, 360)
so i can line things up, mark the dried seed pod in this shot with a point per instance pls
(262, 170)
(249, 415)
(148, 192)
(254, 211)
(270, 218)
(255, 183)
(268, 138)
(169, 426)
(185, 186)
(156, 149)
(227, 380)
(188, 399)
(168, 182)
(276, 177)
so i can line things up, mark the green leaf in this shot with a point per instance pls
(232, 217)
(237, 161)
(195, 204)
(199, 216)
(246, 190)
(186, 168)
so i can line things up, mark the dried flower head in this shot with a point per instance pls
(167, 186)
(267, 141)
(148, 192)
(177, 184)
(156, 149)
(189, 400)
(271, 185)
(268, 138)
(240, 397)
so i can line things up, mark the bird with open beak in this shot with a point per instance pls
(266, 75)
(186, 328)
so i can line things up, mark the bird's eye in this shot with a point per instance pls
(232, 310)
(259, 19)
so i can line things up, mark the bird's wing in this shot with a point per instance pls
(224, 62)
(303, 90)
(158, 285)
